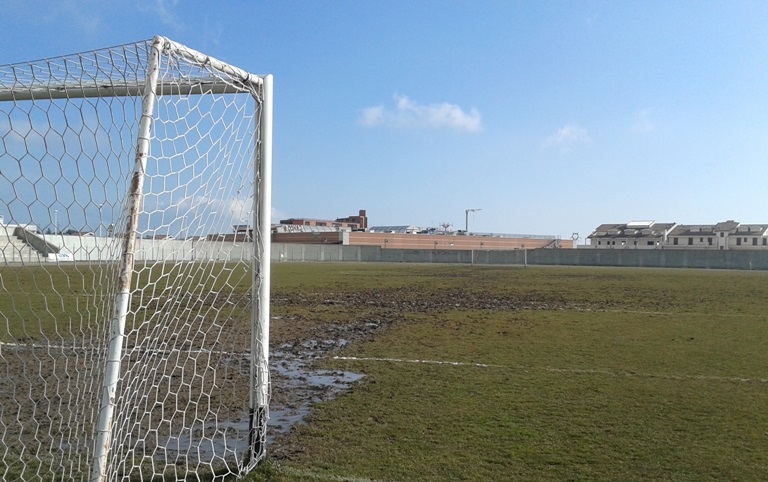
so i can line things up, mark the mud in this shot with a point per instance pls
(185, 377)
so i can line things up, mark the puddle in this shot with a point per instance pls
(291, 375)
(295, 387)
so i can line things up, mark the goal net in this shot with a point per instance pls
(134, 265)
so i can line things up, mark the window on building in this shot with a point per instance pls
(635, 243)
(599, 242)
(320, 224)
(674, 241)
(765, 242)
(754, 241)
(709, 241)
(690, 241)
(738, 241)
(701, 240)
(650, 243)
(722, 234)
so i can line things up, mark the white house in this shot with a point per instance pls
(721, 236)
(633, 235)
(651, 235)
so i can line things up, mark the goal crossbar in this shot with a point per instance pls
(241, 82)
(65, 91)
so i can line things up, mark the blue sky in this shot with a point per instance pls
(552, 117)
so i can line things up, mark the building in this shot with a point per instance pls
(407, 229)
(633, 235)
(361, 220)
(352, 222)
(650, 235)
(721, 236)
(350, 231)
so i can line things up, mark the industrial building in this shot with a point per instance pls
(318, 231)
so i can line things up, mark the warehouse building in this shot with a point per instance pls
(318, 231)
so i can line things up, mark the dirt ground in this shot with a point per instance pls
(308, 327)
(185, 370)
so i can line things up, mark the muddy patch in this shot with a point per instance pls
(296, 385)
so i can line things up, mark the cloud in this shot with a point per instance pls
(165, 10)
(409, 114)
(372, 116)
(277, 215)
(643, 123)
(569, 137)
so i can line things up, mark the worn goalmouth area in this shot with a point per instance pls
(119, 360)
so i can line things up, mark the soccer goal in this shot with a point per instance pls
(134, 265)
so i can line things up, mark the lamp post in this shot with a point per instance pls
(466, 218)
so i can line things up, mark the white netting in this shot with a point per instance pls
(189, 399)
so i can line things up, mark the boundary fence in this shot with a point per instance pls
(94, 248)
(677, 258)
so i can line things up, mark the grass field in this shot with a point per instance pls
(184, 367)
(507, 373)
(471, 372)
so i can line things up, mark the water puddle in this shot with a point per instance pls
(295, 387)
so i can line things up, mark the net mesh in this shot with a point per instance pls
(69, 128)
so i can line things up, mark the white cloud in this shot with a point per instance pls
(372, 116)
(165, 11)
(409, 114)
(568, 137)
(277, 215)
(643, 123)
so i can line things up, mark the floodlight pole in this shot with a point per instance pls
(466, 218)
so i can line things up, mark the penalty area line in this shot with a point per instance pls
(575, 371)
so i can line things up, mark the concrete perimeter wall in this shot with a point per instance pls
(91, 248)
(106, 249)
(679, 258)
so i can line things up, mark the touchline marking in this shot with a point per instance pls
(317, 476)
(651, 375)
(662, 313)
(132, 350)
(584, 371)
(429, 362)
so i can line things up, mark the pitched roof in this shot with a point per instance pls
(635, 229)
(726, 225)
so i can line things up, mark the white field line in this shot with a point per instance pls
(663, 313)
(308, 474)
(128, 350)
(428, 362)
(583, 371)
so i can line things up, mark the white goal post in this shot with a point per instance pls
(135, 215)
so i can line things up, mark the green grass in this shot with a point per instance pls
(550, 373)
(54, 301)
(594, 374)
